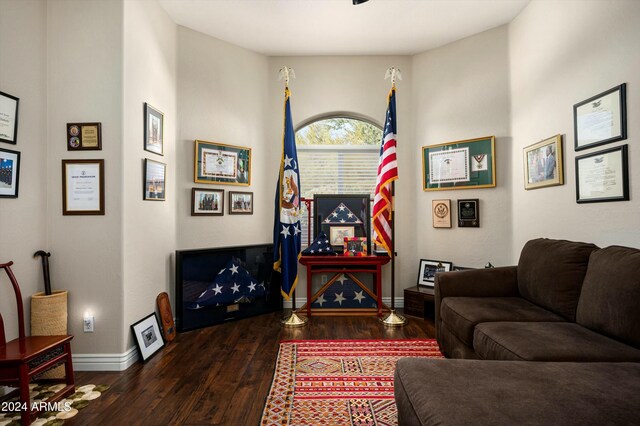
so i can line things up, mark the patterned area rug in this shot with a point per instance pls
(65, 409)
(339, 382)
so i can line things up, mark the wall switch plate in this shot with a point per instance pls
(88, 324)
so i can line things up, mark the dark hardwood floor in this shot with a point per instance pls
(219, 375)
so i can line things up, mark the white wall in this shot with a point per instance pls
(84, 69)
(327, 84)
(562, 53)
(222, 97)
(149, 227)
(23, 219)
(461, 91)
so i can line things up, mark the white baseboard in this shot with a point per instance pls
(300, 301)
(105, 362)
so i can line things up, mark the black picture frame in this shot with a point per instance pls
(9, 173)
(148, 336)
(155, 181)
(595, 110)
(614, 184)
(469, 213)
(358, 204)
(9, 108)
(427, 271)
(153, 130)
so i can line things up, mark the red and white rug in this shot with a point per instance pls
(339, 382)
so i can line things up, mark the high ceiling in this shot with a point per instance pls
(337, 27)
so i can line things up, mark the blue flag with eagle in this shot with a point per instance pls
(286, 227)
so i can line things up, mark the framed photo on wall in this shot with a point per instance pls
(9, 173)
(428, 269)
(543, 163)
(148, 337)
(222, 163)
(459, 165)
(240, 202)
(82, 187)
(8, 118)
(601, 119)
(153, 130)
(207, 202)
(154, 180)
(603, 176)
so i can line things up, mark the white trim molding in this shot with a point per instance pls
(105, 362)
(300, 301)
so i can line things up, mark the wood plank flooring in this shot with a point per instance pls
(219, 375)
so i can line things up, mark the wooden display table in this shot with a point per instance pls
(345, 265)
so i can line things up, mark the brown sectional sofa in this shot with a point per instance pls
(570, 304)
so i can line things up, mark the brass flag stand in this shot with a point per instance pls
(393, 319)
(294, 320)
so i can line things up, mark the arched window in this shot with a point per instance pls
(337, 155)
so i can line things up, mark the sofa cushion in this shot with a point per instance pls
(461, 314)
(610, 298)
(471, 392)
(548, 341)
(551, 272)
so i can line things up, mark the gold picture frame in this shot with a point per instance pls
(219, 163)
(466, 164)
(543, 163)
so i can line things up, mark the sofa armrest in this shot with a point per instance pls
(489, 282)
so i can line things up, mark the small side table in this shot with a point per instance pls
(418, 301)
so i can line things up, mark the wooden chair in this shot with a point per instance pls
(27, 356)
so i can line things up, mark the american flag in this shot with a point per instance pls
(387, 173)
(320, 246)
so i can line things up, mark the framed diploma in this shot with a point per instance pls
(84, 136)
(9, 173)
(154, 180)
(8, 118)
(459, 165)
(153, 130)
(441, 213)
(83, 187)
(543, 163)
(601, 119)
(469, 213)
(603, 176)
(221, 163)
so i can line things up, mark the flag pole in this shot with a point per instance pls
(393, 319)
(293, 320)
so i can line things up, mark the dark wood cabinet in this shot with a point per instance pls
(418, 302)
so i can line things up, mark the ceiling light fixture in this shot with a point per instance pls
(355, 2)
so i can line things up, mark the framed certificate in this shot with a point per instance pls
(601, 119)
(83, 187)
(8, 118)
(459, 165)
(603, 176)
(221, 163)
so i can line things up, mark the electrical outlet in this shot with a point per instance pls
(88, 324)
(323, 279)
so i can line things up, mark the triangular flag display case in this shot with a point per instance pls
(342, 215)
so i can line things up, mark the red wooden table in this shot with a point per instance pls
(345, 264)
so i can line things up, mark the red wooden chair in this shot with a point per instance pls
(27, 356)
